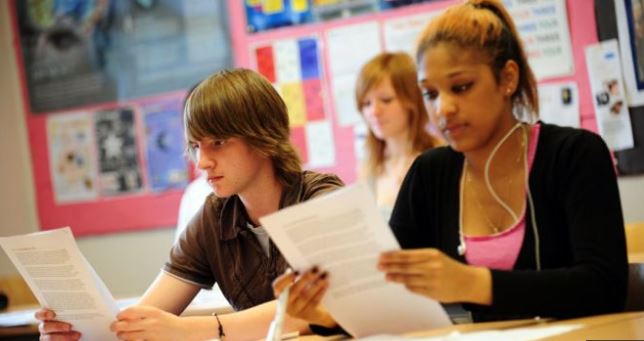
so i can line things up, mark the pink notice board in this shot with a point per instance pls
(581, 21)
(140, 211)
(133, 211)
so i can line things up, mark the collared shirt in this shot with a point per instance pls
(217, 247)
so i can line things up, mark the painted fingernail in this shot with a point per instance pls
(315, 269)
(324, 275)
(296, 273)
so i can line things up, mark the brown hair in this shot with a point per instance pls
(485, 27)
(401, 71)
(241, 103)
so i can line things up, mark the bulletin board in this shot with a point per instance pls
(630, 161)
(373, 33)
(103, 84)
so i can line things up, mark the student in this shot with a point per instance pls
(512, 219)
(391, 104)
(237, 127)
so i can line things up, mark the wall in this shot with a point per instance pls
(127, 262)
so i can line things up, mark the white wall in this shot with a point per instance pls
(127, 262)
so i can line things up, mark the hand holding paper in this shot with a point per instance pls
(63, 281)
(344, 233)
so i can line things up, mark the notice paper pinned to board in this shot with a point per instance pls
(62, 280)
(344, 234)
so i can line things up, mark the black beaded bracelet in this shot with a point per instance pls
(222, 335)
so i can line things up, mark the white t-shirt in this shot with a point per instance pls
(191, 201)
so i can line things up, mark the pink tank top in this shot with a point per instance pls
(501, 250)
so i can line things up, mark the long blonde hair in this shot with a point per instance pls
(485, 27)
(242, 103)
(400, 69)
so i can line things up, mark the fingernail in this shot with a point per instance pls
(324, 275)
(296, 273)
(315, 269)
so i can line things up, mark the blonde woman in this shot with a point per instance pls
(388, 96)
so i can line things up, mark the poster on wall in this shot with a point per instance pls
(543, 26)
(559, 104)
(70, 139)
(293, 66)
(630, 28)
(118, 156)
(83, 52)
(604, 74)
(401, 34)
(166, 165)
(349, 47)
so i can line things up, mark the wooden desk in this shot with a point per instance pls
(207, 302)
(625, 326)
(637, 257)
(621, 326)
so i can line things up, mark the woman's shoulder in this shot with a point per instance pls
(443, 155)
(567, 139)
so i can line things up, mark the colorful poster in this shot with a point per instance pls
(543, 26)
(293, 66)
(559, 104)
(166, 163)
(269, 14)
(71, 151)
(81, 52)
(119, 168)
(605, 76)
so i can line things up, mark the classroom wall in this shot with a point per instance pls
(127, 262)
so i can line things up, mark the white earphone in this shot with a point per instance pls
(462, 247)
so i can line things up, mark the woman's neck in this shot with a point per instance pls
(398, 148)
(506, 154)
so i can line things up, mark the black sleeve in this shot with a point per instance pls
(596, 280)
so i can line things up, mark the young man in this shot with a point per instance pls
(237, 129)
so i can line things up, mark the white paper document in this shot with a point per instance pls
(350, 47)
(559, 104)
(61, 279)
(604, 74)
(344, 234)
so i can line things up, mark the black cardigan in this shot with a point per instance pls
(579, 220)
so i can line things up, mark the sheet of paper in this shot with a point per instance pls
(607, 86)
(61, 279)
(543, 27)
(349, 47)
(71, 157)
(401, 33)
(559, 104)
(320, 144)
(343, 233)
